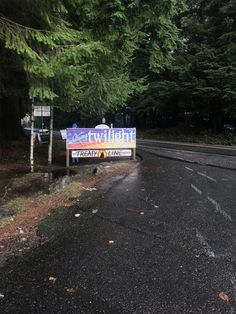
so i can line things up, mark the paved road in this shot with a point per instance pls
(213, 155)
(174, 230)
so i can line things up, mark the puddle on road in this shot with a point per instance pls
(5, 213)
(108, 183)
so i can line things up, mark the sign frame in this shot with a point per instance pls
(102, 142)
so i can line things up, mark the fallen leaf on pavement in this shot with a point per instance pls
(223, 296)
(71, 290)
(52, 279)
(90, 189)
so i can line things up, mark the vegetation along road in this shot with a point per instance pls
(160, 240)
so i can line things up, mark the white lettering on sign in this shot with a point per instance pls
(107, 136)
(97, 153)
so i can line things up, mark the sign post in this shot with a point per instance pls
(40, 111)
(134, 153)
(67, 158)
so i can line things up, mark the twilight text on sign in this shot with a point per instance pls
(101, 138)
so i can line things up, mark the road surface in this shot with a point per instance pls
(161, 240)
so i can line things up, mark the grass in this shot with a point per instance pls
(3, 222)
(21, 203)
(17, 204)
(190, 135)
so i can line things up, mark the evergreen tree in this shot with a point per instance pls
(79, 53)
(202, 78)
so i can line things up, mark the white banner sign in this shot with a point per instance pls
(42, 111)
(106, 153)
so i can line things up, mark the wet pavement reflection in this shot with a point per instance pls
(136, 244)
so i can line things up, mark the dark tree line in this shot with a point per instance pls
(199, 86)
(172, 62)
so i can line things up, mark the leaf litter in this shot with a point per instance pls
(223, 296)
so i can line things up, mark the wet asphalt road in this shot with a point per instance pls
(174, 230)
(213, 155)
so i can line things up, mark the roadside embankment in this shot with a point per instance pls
(29, 198)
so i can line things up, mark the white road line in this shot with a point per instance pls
(219, 209)
(209, 178)
(229, 177)
(189, 169)
(196, 189)
(206, 247)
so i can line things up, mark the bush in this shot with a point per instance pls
(190, 135)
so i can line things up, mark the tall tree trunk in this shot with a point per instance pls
(218, 118)
(50, 136)
(10, 118)
(32, 139)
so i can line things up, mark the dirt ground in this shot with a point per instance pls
(26, 198)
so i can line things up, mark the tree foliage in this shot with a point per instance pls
(79, 53)
(202, 78)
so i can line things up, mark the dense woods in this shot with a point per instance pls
(172, 62)
(198, 87)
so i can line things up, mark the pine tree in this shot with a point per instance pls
(202, 78)
(80, 54)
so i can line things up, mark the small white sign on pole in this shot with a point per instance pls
(63, 134)
(42, 111)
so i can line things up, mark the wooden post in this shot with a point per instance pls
(134, 153)
(32, 139)
(50, 137)
(67, 158)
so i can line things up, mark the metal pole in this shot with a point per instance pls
(50, 137)
(32, 139)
